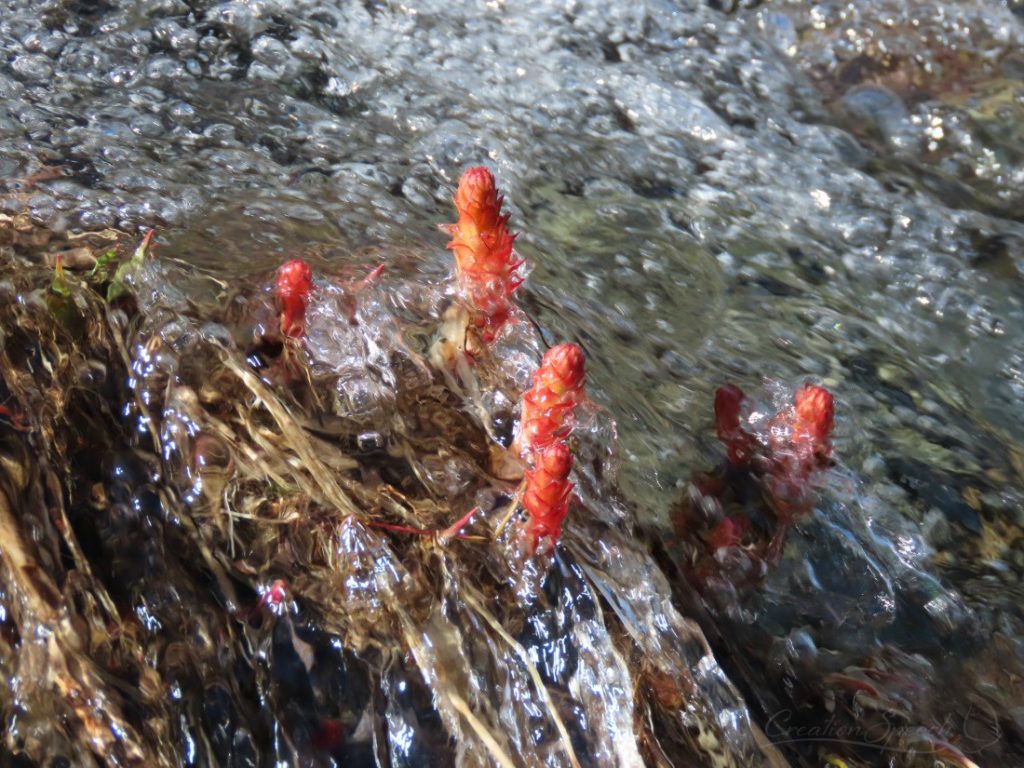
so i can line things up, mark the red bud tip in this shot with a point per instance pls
(563, 368)
(815, 411)
(728, 401)
(293, 285)
(483, 251)
(477, 197)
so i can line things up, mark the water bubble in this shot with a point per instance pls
(32, 68)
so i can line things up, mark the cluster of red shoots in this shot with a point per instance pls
(484, 258)
(547, 418)
(795, 445)
(797, 442)
(488, 275)
(487, 271)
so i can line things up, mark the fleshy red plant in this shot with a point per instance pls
(293, 286)
(728, 532)
(813, 419)
(782, 457)
(547, 407)
(548, 492)
(482, 244)
(739, 444)
(798, 437)
(547, 417)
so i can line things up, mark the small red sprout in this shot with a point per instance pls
(547, 407)
(728, 532)
(814, 418)
(329, 735)
(548, 492)
(275, 595)
(739, 443)
(782, 456)
(294, 283)
(483, 251)
(17, 420)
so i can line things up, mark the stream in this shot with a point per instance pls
(758, 193)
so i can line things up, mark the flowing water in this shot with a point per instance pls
(762, 193)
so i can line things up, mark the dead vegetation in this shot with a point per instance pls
(154, 482)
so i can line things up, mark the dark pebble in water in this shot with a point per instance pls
(877, 108)
(550, 643)
(125, 473)
(425, 741)
(33, 68)
(209, 452)
(289, 674)
(503, 426)
(146, 502)
(933, 489)
(370, 442)
(245, 753)
(678, 365)
(219, 720)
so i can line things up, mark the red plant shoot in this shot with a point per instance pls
(739, 444)
(293, 286)
(548, 493)
(547, 417)
(547, 407)
(275, 595)
(783, 456)
(483, 251)
(814, 418)
(728, 532)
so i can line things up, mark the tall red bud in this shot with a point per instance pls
(548, 492)
(738, 442)
(294, 283)
(547, 407)
(483, 251)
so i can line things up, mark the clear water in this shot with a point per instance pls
(787, 191)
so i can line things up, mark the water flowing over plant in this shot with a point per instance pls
(300, 552)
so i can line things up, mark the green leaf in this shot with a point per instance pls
(100, 267)
(118, 287)
(59, 284)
